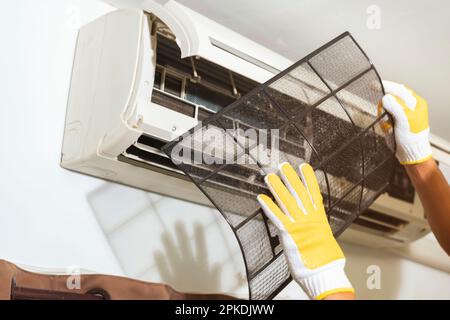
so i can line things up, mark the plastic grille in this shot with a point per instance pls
(322, 110)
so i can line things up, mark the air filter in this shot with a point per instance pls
(322, 110)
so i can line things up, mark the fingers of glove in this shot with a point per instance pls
(309, 179)
(283, 197)
(393, 106)
(296, 187)
(273, 212)
(402, 92)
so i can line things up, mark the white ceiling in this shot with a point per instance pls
(412, 45)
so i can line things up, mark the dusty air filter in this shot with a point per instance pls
(322, 110)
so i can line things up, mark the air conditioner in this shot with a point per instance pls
(123, 105)
(141, 77)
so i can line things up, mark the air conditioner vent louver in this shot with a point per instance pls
(146, 153)
(151, 141)
(380, 222)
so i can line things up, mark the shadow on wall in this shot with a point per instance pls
(374, 273)
(191, 248)
(161, 239)
(182, 257)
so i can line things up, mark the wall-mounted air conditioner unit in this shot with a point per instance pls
(142, 77)
(139, 82)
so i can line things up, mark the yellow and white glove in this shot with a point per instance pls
(410, 112)
(314, 257)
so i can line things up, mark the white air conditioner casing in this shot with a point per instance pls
(109, 103)
(110, 107)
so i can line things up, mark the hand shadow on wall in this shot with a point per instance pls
(184, 263)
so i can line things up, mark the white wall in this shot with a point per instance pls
(52, 217)
(45, 218)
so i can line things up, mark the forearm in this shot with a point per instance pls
(434, 193)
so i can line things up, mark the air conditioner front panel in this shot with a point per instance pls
(196, 35)
(103, 84)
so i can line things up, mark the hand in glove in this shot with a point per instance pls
(410, 112)
(314, 257)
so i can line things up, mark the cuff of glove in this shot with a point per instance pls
(329, 281)
(415, 152)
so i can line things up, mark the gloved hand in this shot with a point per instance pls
(410, 112)
(315, 259)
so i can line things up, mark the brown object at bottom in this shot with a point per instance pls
(19, 284)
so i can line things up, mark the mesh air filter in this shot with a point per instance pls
(322, 110)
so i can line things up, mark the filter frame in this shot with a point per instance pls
(358, 138)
